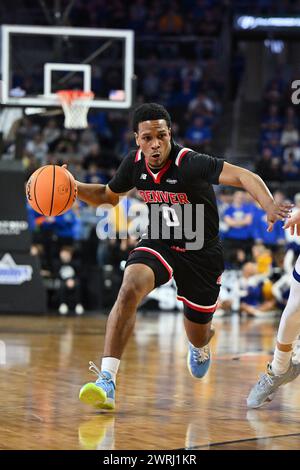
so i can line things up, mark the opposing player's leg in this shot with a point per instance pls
(144, 271)
(282, 369)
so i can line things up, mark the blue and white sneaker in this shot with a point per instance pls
(264, 390)
(198, 361)
(101, 393)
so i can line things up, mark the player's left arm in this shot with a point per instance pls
(233, 175)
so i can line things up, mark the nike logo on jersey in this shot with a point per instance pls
(164, 196)
(171, 181)
(143, 176)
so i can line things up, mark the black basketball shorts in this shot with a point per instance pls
(197, 274)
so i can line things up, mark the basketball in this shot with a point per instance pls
(51, 190)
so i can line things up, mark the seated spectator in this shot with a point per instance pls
(118, 252)
(263, 166)
(171, 22)
(168, 93)
(271, 138)
(38, 250)
(263, 258)
(210, 24)
(229, 293)
(95, 176)
(67, 227)
(151, 85)
(51, 132)
(44, 233)
(38, 148)
(224, 200)
(275, 170)
(98, 123)
(290, 117)
(137, 17)
(66, 143)
(67, 270)
(191, 71)
(289, 136)
(198, 136)
(202, 104)
(295, 149)
(94, 157)
(238, 217)
(290, 169)
(28, 129)
(274, 92)
(185, 94)
(272, 121)
(256, 298)
(87, 139)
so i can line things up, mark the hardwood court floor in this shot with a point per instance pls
(159, 406)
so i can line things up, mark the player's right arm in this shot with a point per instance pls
(119, 185)
(97, 194)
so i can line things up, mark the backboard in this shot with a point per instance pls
(38, 61)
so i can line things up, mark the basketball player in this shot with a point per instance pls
(282, 369)
(168, 175)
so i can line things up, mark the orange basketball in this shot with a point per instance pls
(51, 190)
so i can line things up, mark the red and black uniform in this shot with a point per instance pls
(186, 178)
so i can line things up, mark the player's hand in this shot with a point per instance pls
(278, 212)
(293, 223)
(65, 166)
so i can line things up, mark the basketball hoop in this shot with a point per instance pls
(75, 104)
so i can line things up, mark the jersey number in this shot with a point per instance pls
(170, 216)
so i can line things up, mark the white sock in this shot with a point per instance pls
(111, 365)
(281, 361)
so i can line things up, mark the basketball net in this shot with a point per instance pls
(75, 104)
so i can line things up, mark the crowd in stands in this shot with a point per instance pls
(279, 145)
(201, 17)
(258, 263)
(183, 77)
(266, 7)
(243, 222)
(72, 256)
(150, 16)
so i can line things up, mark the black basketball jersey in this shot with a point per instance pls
(185, 179)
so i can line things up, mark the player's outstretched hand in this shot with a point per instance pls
(293, 223)
(278, 212)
